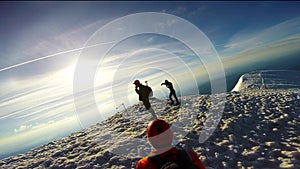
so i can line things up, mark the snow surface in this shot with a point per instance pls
(258, 129)
(268, 79)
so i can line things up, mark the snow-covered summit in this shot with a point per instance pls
(257, 130)
(268, 79)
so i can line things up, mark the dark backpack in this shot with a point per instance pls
(144, 92)
(180, 160)
(149, 91)
(171, 165)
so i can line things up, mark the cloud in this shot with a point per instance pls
(242, 42)
(252, 50)
(283, 48)
(179, 10)
(22, 128)
(32, 135)
(68, 40)
(25, 96)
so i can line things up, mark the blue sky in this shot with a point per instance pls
(41, 42)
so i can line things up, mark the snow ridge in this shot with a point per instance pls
(268, 80)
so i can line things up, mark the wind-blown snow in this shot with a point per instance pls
(238, 85)
(268, 79)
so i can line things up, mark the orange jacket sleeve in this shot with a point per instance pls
(145, 163)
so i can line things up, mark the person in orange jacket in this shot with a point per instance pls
(165, 155)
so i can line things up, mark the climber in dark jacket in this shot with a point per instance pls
(144, 93)
(172, 91)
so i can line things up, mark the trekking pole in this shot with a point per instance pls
(124, 108)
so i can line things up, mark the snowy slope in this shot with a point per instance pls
(268, 79)
(258, 129)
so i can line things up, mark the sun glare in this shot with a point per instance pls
(68, 71)
(104, 76)
(66, 74)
